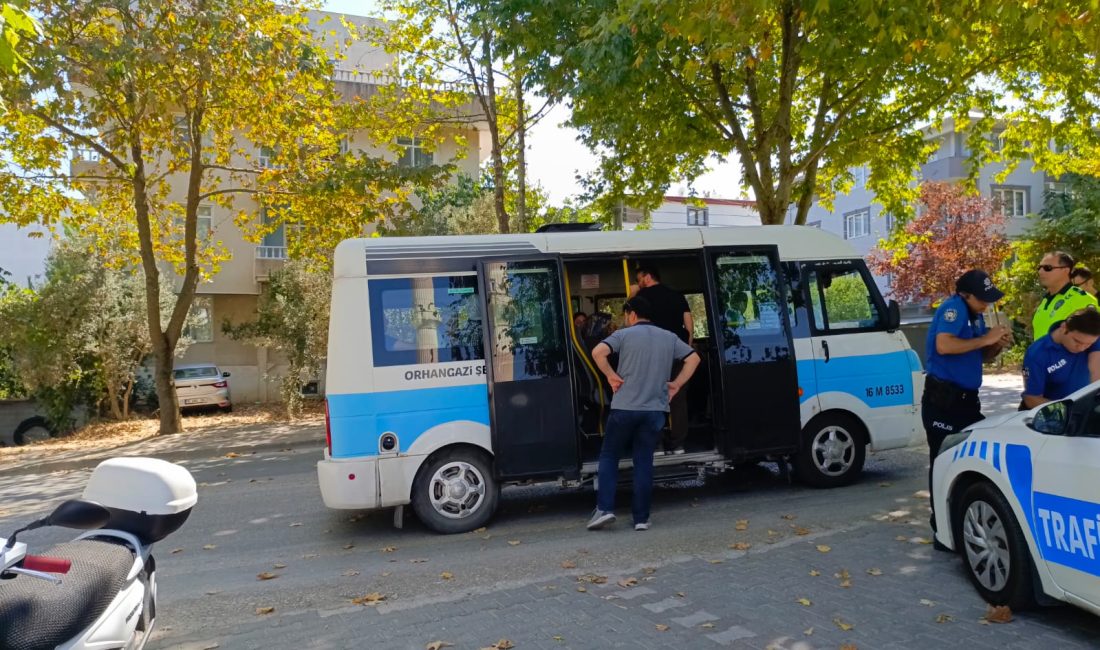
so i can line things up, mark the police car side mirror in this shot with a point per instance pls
(1051, 418)
(893, 316)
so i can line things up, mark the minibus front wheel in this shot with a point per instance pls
(455, 491)
(833, 448)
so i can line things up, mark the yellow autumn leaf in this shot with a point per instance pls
(840, 623)
(822, 548)
(805, 602)
(260, 611)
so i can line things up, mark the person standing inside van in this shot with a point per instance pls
(639, 405)
(1062, 297)
(958, 343)
(670, 312)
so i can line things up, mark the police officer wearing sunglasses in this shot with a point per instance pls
(1062, 298)
(958, 343)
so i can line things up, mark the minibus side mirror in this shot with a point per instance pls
(893, 316)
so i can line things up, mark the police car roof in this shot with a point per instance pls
(794, 242)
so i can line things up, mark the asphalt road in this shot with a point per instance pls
(262, 513)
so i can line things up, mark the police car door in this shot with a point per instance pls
(759, 384)
(531, 410)
(862, 363)
(1066, 501)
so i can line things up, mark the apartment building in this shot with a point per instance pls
(687, 211)
(233, 293)
(856, 217)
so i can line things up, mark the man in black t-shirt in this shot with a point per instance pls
(670, 312)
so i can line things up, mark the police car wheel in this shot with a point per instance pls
(833, 451)
(455, 491)
(993, 547)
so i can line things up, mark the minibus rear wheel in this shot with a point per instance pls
(455, 491)
(832, 452)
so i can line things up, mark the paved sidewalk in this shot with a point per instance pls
(875, 585)
(202, 442)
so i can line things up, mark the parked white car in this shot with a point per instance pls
(202, 385)
(1018, 496)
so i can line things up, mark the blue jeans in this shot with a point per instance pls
(641, 430)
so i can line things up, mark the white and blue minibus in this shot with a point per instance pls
(455, 366)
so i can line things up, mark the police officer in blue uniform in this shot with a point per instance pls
(1058, 364)
(958, 342)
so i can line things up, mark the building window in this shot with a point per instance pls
(859, 176)
(997, 141)
(1054, 187)
(345, 144)
(200, 323)
(413, 153)
(87, 154)
(1012, 202)
(697, 216)
(889, 222)
(205, 222)
(857, 224)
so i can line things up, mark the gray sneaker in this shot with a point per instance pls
(600, 519)
(642, 526)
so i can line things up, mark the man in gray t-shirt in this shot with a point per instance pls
(639, 406)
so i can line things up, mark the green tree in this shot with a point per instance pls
(171, 105)
(17, 26)
(1068, 222)
(292, 318)
(80, 337)
(799, 91)
(456, 53)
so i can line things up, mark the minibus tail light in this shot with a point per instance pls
(328, 430)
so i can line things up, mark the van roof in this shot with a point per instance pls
(794, 242)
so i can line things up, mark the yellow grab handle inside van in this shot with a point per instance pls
(581, 350)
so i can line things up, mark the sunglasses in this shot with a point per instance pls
(1050, 267)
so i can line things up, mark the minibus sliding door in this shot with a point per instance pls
(531, 409)
(758, 406)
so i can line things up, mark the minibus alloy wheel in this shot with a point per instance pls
(455, 491)
(832, 451)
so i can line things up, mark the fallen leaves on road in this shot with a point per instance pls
(447, 575)
(944, 618)
(716, 561)
(592, 578)
(266, 575)
(921, 494)
(822, 548)
(628, 582)
(261, 611)
(350, 573)
(349, 546)
(389, 549)
(740, 546)
(901, 538)
(279, 565)
(582, 589)
(478, 531)
(558, 637)
(874, 572)
(800, 530)
(840, 623)
(808, 631)
(998, 614)
(438, 645)
(295, 524)
(569, 564)
(177, 550)
(788, 517)
(503, 644)
(898, 514)
(814, 572)
(885, 484)
(514, 542)
(661, 627)
(708, 626)
(232, 454)
(649, 570)
(418, 560)
(742, 524)
(370, 599)
(209, 547)
(849, 646)
(927, 603)
(805, 602)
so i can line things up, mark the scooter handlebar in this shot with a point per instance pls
(46, 564)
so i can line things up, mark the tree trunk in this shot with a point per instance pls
(489, 103)
(521, 156)
(167, 400)
(112, 399)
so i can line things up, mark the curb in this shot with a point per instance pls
(94, 458)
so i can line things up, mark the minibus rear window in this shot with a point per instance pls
(425, 320)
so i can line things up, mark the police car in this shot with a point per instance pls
(1018, 497)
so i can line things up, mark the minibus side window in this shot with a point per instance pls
(425, 320)
(842, 300)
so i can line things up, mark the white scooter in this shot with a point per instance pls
(99, 590)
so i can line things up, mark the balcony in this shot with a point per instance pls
(268, 258)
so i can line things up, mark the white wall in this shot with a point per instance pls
(22, 256)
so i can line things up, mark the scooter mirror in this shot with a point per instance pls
(82, 515)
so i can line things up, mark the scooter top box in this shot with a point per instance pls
(147, 497)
